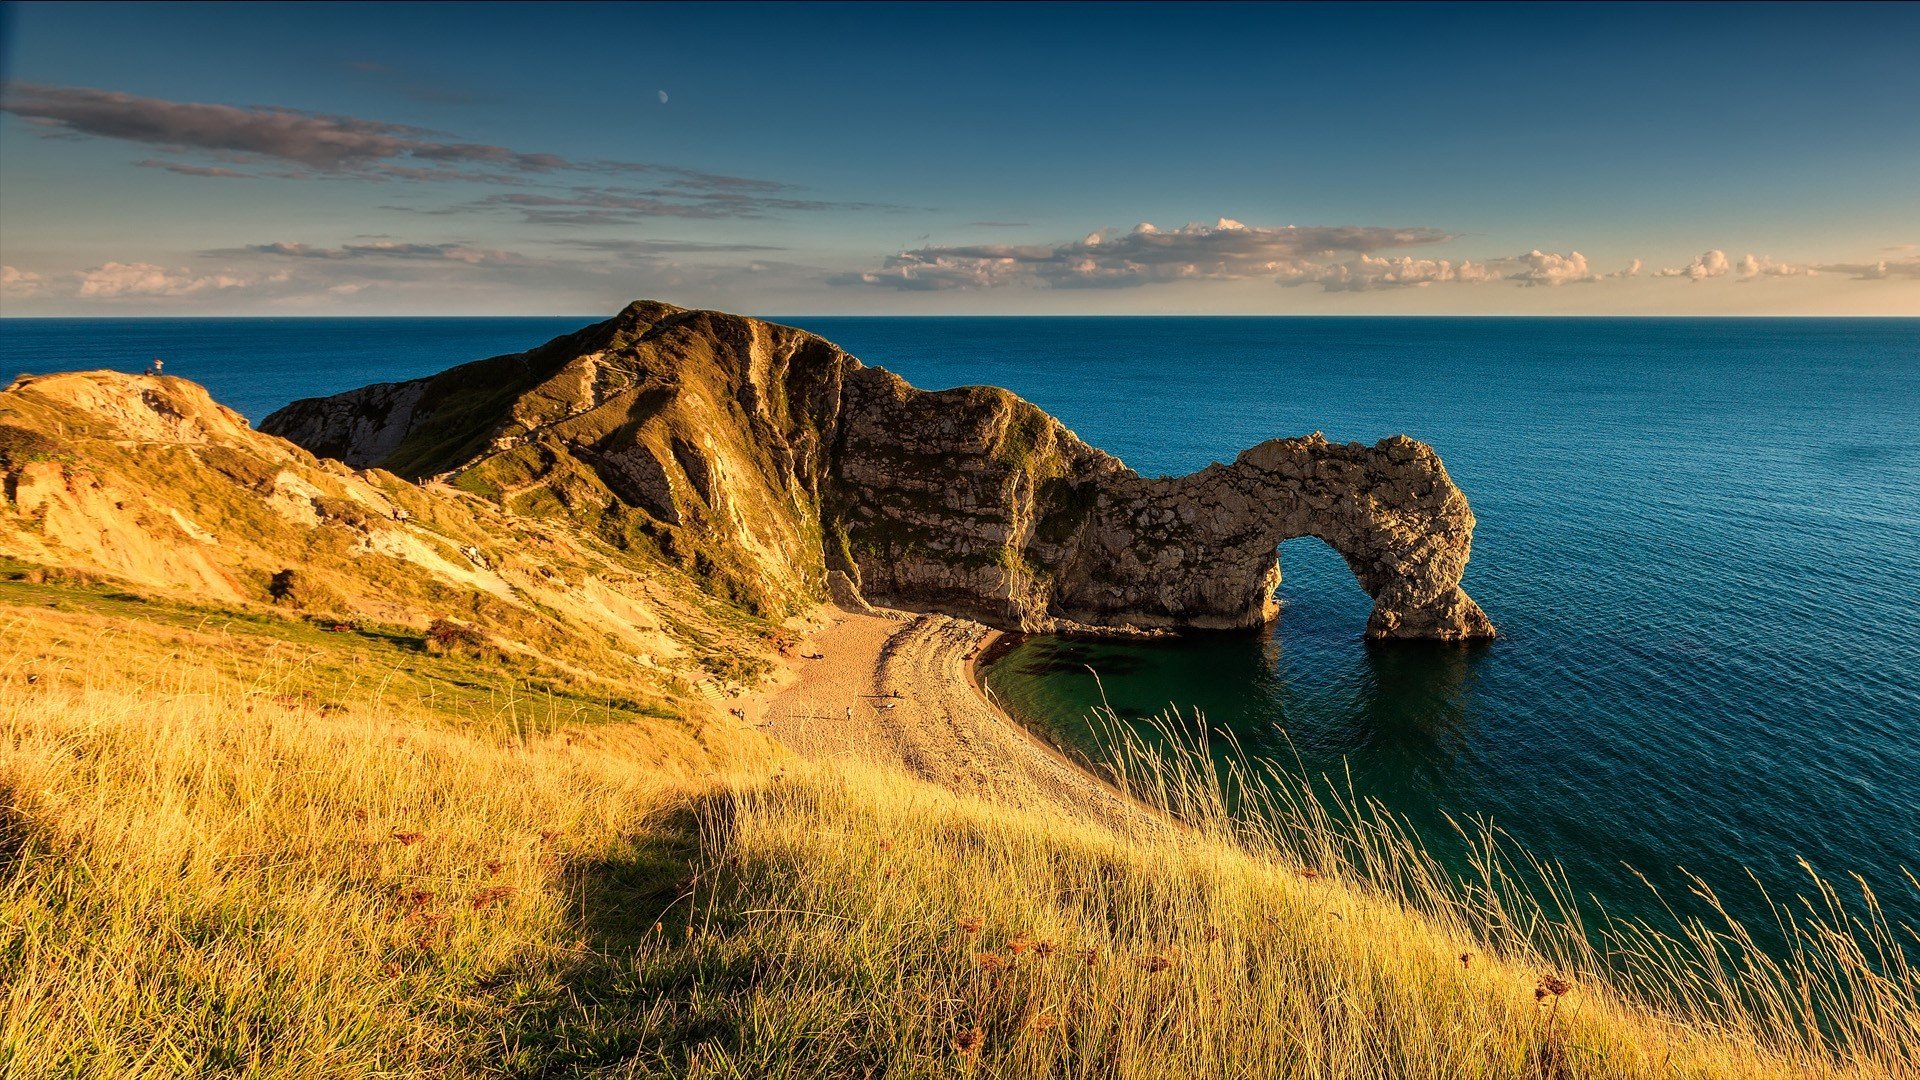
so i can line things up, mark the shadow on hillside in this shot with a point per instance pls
(640, 991)
(15, 828)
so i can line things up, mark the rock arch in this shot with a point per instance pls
(1201, 551)
(977, 503)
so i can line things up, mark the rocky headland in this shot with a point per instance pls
(769, 463)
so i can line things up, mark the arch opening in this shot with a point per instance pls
(1317, 586)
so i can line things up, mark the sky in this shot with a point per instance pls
(263, 159)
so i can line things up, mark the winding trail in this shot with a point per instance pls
(897, 689)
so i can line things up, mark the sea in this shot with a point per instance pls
(1699, 538)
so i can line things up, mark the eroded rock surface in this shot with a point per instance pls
(761, 458)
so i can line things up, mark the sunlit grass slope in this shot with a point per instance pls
(340, 857)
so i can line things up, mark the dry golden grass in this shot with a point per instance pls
(905, 932)
(205, 874)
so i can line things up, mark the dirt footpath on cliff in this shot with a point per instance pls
(896, 689)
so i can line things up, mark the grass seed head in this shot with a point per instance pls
(486, 898)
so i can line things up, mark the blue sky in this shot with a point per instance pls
(1351, 159)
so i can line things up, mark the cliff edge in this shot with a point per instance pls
(761, 458)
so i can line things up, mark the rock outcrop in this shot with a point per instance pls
(762, 458)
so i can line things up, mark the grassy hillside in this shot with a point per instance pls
(253, 848)
(154, 486)
(300, 863)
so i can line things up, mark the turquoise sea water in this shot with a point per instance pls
(1700, 540)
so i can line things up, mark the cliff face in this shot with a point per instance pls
(762, 459)
(697, 435)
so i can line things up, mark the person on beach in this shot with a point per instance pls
(154, 367)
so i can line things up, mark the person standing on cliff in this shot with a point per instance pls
(155, 366)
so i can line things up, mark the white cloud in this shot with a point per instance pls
(1548, 268)
(145, 279)
(1710, 264)
(1752, 266)
(1632, 269)
(19, 282)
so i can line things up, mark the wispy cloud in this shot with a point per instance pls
(295, 143)
(195, 170)
(115, 279)
(659, 247)
(389, 274)
(1882, 270)
(383, 250)
(287, 271)
(708, 198)
(316, 141)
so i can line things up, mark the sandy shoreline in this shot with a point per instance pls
(901, 689)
